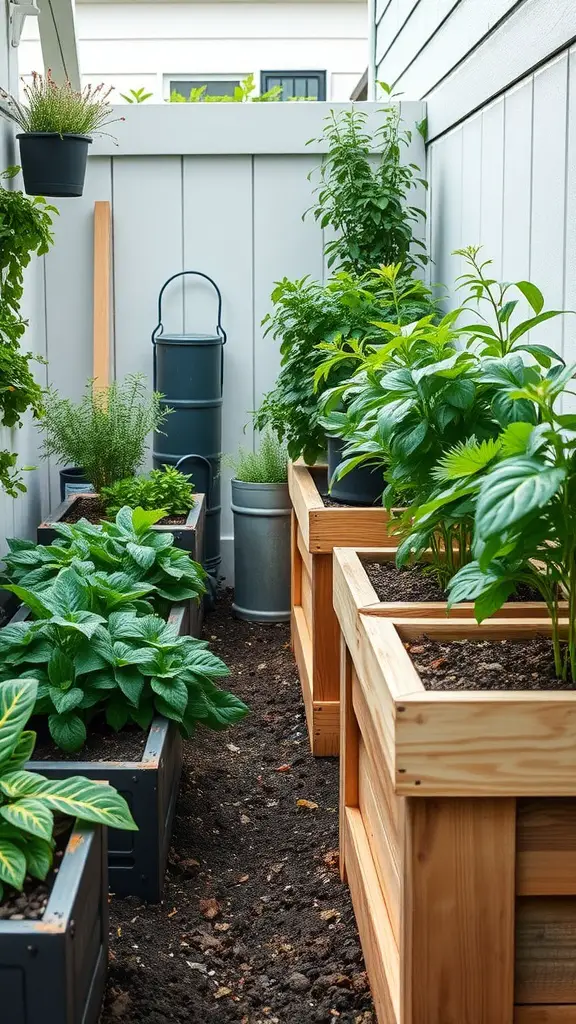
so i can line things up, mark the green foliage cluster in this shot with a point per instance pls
(363, 199)
(29, 802)
(95, 642)
(243, 93)
(136, 95)
(308, 319)
(166, 488)
(115, 558)
(106, 432)
(51, 107)
(364, 190)
(267, 465)
(25, 229)
(467, 423)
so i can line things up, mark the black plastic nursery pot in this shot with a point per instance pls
(362, 486)
(73, 481)
(189, 536)
(137, 860)
(53, 164)
(54, 970)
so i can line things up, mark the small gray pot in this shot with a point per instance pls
(261, 551)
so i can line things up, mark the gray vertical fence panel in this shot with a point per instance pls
(517, 183)
(284, 245)
(446, 208)
(492, 184)
(69, 290)
(218, 240)
(569, 347)
(471, 181)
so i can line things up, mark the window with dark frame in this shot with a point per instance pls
(305, 85)
(213, 87)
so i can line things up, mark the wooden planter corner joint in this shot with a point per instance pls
(316, 530)
(457, 832)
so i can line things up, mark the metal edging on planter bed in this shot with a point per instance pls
(54, 969)
(137, 860)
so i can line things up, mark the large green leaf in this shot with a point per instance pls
(142, 555)
(22, 751)
(142, 520)
(68, 731)
(514, 490)
(32, 600)
(39, 855)
(17, 699)
(18, 783)
(174, 694)
(87, 800)
(12, 864)
(31, 816)
(66, 700)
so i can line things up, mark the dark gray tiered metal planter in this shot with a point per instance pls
(189, 372)
(53, 971)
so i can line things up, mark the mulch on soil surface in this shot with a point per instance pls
(418, 583)
(486, 664)
(255, 927)
(94, 510)
(30, 904)
(102, 744)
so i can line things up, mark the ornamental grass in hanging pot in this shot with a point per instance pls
(57, 123)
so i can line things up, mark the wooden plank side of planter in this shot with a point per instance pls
(325, 632)
(306, 595)
(546, 950)
(382, 837)
(457, 956)
(304, 496)
(378, 943)
(545, 1014)
(546, 847)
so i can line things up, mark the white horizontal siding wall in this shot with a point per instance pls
(133, 45)
(506, 179)
(220, 189)
(460, 54)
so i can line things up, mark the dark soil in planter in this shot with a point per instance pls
(94, 510)
(418, 583)
(256, 926)
(329, 503)
(30, 904)
(103, 744)
(486, 664)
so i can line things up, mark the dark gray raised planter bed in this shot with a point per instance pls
(53, 971)
(189, 536)
(137, 860)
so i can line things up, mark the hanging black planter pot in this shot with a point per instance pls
(52, 164)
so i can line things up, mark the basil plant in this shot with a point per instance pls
(28, 801)
(127, 666)
(135, 555)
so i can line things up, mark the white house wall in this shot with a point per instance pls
(129, 45)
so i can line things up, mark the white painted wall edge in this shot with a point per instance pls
(229, 129)
(518, 45)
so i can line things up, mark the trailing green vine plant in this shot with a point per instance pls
(25, 229)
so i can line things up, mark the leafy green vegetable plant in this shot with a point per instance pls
(363, 192)
(128, 667)
(312, 320)
(243, 93)
(106, 433)
(51, 107)
(124, 556)
(524, 529)
(167, 489)
(267, 465)
(28, 801)
(136, 95)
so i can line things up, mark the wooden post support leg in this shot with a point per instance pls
(325, 631)
(349, 746)
(295, 572)
(457, 955)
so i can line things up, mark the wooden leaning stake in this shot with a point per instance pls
(458, 829)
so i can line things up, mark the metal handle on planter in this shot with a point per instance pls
(159, 329)
(203, 461)
(195, 273)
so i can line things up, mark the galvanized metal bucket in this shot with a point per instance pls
(261, 551)
(189, 371)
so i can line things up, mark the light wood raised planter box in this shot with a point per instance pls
(457, 832)
(316, 530)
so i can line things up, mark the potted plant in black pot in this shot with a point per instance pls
(57, 123)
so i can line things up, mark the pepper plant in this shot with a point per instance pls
(127, 666)
(28, 801)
